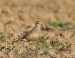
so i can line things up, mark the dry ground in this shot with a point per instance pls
(17, 15)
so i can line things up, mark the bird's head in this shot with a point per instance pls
(39, 24)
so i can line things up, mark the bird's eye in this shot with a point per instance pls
(37, 22)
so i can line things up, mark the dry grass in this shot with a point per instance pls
(19, 16)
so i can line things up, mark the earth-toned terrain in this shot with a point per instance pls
(37, 28)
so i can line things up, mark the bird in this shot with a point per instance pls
(35, 32)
